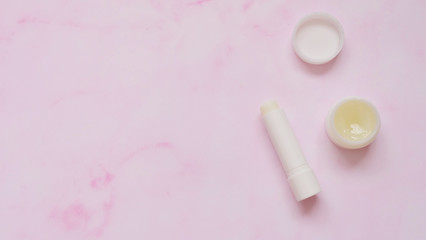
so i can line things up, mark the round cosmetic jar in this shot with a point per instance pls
(353, 123)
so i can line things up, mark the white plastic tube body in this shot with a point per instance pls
(301, 178)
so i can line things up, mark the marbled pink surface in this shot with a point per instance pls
(126, 119)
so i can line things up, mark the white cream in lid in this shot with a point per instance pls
(318, 38)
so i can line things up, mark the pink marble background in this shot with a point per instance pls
(126, 119)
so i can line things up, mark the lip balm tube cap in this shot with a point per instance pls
(304, 184)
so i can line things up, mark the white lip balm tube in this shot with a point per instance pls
(300, 176)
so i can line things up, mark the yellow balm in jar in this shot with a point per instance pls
(353, 123)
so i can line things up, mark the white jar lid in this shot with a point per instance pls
(318, 38)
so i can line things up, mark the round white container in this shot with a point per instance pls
(318, 38)
(353, 123)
